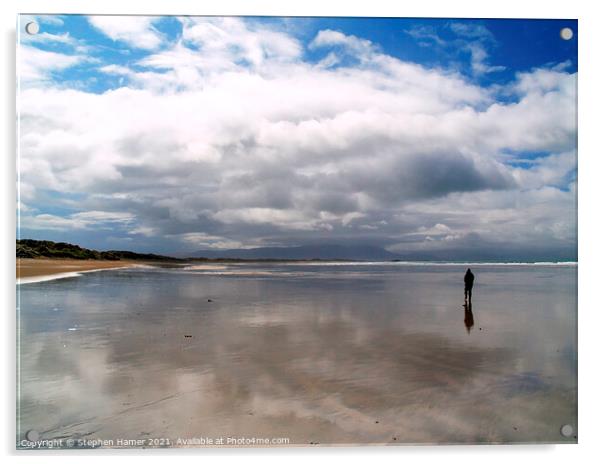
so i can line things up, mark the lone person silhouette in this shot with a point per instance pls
(468, 281)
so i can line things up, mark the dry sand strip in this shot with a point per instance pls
(35, 269)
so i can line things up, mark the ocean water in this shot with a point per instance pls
(298, 354)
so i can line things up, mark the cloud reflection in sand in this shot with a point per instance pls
(360, 359)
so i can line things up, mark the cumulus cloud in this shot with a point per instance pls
(229, 137)
(137, 31)
(37, 65)
(360, 47)
(230, 40)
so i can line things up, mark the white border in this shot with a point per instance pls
(589, 213)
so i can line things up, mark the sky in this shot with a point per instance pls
(177, 134)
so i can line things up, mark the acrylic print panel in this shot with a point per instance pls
(256, 231)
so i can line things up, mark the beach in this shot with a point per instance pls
(299, 354)
(30, 269)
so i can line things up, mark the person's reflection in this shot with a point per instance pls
(468, 318)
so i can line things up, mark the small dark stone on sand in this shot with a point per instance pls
(187, 336)
(210, 300)
(376, 422)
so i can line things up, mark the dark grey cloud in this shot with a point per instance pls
(205, 153)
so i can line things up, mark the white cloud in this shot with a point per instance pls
(471, 38)
(476, 38)
(45, 37)
(77, 221)
(229, 137)
(211, 47)
(233, 40)
(541, 81)
(472, 31)
(137, 31)
(550, 171)
(362, 48)
(37, 65)
(54, 20)
(478, 60)
(200, 240)
(426, 36)
(116, 69)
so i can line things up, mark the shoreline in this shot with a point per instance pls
(30, 270)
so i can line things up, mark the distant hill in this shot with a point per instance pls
(28, 248)
(47, 249)
(375, 253)
(307, 252)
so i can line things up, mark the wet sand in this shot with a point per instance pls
(28, 267)
(316, 355)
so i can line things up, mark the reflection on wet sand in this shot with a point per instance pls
(341, 361)
(468, 317)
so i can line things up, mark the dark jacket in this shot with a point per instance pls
(468, 279)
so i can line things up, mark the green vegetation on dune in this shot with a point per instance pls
(28, 248)
(47, 249)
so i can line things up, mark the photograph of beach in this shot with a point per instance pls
(295, 232)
